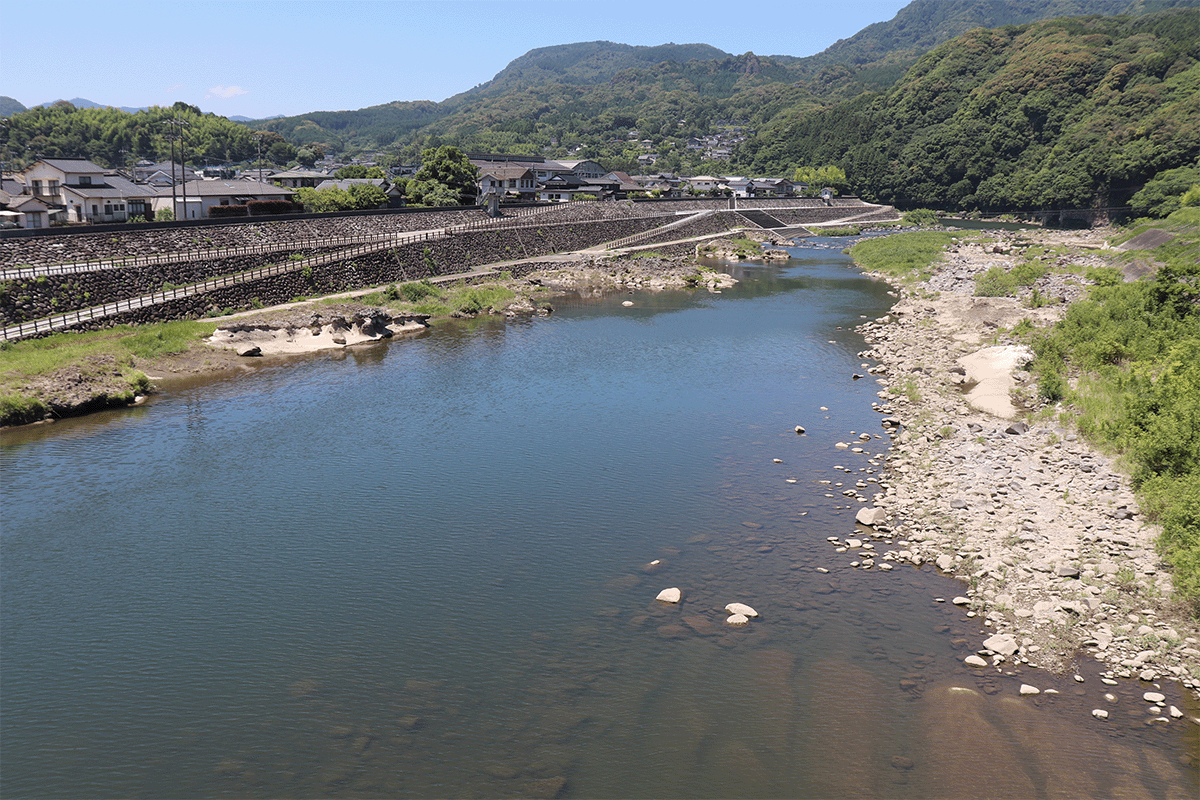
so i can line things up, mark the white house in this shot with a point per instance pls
(23, 211)
(203, 195)
(87, 192)
(704, 183)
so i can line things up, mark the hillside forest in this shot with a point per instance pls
(1081, 111)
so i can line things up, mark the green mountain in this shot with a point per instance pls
(9, 106)
(1064, 113)
(555, 100)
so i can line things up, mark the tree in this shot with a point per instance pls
(1164, 193)
(445, 174)
(365, 195)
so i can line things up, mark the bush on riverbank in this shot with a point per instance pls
(1135, 351)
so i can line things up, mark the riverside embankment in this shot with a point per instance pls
(1045, 530)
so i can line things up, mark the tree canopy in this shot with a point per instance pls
(446, 177)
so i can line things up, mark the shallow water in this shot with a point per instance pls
(421, 569)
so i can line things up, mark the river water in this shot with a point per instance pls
(424, 569)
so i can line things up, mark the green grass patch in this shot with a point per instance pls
(441, 300)
(1000, 282)
(845, 230)
(908, 257)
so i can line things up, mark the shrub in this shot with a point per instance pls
(229, 211)
(920, 217)
(164, 215)
(261, 208)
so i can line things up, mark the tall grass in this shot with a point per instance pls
(907, 257)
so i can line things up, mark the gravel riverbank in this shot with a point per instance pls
(1046, 530)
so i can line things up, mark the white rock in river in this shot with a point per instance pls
(671, 595)
(627, 303)
(1154, 697)
(870, 516)
(1003, 643)
(742, 609)
(737, 619)
(974, 661)
(961, 601)
(1027, 689)
(1099, 713)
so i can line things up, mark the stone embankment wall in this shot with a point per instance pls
(87, 247)
(416, 261)
(812, 216)
(704, 226)
(28, 299)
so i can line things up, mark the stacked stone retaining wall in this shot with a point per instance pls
(415, 261)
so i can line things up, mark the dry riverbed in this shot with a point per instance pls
(1046, 531)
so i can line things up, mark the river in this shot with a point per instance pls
(427, 569)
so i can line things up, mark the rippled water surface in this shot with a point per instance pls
(423, 569)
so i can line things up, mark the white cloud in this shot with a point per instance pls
(225, 92)
(173, 89)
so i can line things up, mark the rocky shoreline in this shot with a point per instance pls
(1045, 530)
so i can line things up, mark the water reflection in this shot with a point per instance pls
(435, 577)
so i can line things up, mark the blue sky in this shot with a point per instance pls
(263, 57)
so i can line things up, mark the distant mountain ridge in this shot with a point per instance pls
(575, 76)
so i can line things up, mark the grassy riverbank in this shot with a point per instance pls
(77, 372)
(1125, 366)
(1121, 367)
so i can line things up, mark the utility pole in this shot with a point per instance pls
(258, 139)
(171, 135)
(183, 162)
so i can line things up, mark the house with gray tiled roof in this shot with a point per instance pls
(298, 178)
(114, 199)
(86, 191)
(203, 195)
(23, 211)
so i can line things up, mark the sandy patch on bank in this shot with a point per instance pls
(290, 341)
(991, 369)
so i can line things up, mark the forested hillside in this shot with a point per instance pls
(1065, 113)
(114, 138)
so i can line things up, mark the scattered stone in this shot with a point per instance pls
(799, 429)
(961, 601)
(1003, 643)
(741, 608)
(1154, 697)
(974, 661)
(1099, 713)
(737, 619)
(671, 595)
(870, 516)
(1026, 689)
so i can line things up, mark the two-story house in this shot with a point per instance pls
(86, 191)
